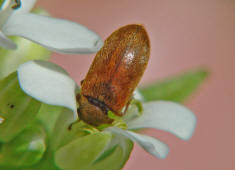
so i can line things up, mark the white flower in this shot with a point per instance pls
(55, 34)
(50, 84)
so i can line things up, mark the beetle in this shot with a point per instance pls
(114, 74)
(17, 4)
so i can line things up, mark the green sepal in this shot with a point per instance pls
(82, 152)
(115, 156)
(177, 88)
(16, 108)
(26, 149)
(26, 51)
(107, 152)
(55, 139)
(48, 115)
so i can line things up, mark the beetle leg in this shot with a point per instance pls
(136, 102)
(126, 108)
(127, 105)
(119, 114)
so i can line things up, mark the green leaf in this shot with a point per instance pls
(16, 108)
(24, 150)
(26, 51)
(177, 88)
(82, 152)
(55, 120)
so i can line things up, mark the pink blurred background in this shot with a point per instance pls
(184, 34)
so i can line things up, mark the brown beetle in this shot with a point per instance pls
(114, 75)
(17, 4)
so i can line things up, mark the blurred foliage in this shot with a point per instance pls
(1, 2)
(177, 88)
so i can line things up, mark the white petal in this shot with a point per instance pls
(26, 6)
(55, 34)
(48, 83)
(168, 116)
(137, 95)
(5, 11)
(149, 144)
(6, 42)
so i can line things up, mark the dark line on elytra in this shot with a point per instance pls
(98, 103)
